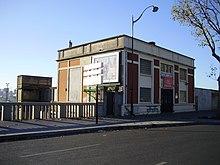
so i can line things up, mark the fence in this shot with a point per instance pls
(45, 110)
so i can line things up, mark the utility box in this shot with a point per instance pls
(33, 88)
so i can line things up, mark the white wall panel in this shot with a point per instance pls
(146, 81)
(75, 85)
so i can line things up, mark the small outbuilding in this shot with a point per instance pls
(206, 99)
(33, 88)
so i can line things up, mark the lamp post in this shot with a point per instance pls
(154, 9)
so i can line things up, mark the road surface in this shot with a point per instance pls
(188, 145)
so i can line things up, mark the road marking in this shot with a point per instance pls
(161, 163)
(56, 151)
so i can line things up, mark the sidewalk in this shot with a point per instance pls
(28, 129)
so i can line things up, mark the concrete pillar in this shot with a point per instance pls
(7, 112)
(36, 111)
(81, 110)
(13, 113)
(62, 111)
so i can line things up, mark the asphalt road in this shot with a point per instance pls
(188, 145)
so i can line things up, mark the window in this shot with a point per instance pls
(61, 54)
(145, 94)
(166, 68)
(183, 96)
(182, 74)
(145, 67)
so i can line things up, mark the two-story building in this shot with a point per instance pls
(152, 78)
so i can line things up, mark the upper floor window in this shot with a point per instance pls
(166, 68)
(61, 54)
(145, 67)
(182, 74)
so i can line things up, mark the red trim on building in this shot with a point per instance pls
(134, 57)
(190, 89)
(176, 77)
(135, 81)
(176, 67)
(191, 71)
(156, 62)
(156, 85)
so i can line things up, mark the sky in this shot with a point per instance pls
(31, 32)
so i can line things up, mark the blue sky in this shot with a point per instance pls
(31, 32)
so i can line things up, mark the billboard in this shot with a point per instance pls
(110, 63)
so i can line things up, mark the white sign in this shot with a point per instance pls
(93, 66)
(92, 80)
(92, 74)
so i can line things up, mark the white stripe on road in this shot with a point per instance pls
(161, 163)
(56, 151)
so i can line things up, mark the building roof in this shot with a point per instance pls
(122, 42)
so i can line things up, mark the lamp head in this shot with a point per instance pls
(155, 9)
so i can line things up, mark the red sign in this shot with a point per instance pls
(168, 82)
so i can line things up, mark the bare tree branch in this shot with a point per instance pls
(205, 11)
(203, 17)
(214, 7)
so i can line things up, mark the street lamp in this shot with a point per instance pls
(154, 9)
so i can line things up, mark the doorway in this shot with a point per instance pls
(110, 103)
(166, 100)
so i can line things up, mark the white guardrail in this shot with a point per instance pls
(45, 110)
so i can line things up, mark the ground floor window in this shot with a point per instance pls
(145, 94)
(183, 96)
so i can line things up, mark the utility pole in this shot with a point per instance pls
(7, 92)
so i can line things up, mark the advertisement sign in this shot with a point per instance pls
(168, 82)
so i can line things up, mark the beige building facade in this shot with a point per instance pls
(156, 79)
(33, 88)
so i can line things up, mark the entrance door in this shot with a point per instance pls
(110, 103)
(166, 100)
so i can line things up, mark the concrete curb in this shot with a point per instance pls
(92, 129)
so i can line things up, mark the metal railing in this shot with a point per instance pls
(45, 110)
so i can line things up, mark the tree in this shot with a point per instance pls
(203, 16)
